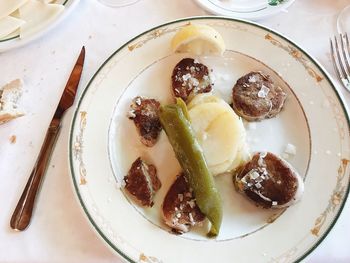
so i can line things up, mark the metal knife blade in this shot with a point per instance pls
(23, 212)
(70, 90)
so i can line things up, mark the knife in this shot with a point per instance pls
(22, 215)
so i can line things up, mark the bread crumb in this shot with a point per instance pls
(13, 139)
(9, 96)
(143, 257)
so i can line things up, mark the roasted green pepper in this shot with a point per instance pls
(183, 106)
(190, 156)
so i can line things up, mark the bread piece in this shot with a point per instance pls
(269, 181)
(255, 97)
(144, 113)
(190, 78)
(142, 182)
(180, 210)
(9, 96)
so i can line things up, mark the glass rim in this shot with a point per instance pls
(341, 17)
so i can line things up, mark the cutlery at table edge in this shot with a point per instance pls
(23, 212)
(340, 53)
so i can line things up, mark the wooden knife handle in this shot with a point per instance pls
(24, 209)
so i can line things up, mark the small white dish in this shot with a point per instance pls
(14, 41)
(245, 9)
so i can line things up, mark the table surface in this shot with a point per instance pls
(59, 231)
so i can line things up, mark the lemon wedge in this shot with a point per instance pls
(199, 40)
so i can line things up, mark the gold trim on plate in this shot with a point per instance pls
(78, 147)
(153, 35)
(148, 259)
(335, 200)
(295, 53)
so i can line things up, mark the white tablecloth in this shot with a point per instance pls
(59, 231)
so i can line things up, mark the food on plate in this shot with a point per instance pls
(37, 16)
(290, 150)
(255, 97)
(219, 131)
(192, 160)
(183, 107)
(9, 96)
(201, 99)
(269, 181)
(198, 39)
(144, 113)
(142, 182)
(208, 138)
(190, 77)
(9, 24)
(26, 16)
(8, 7)
(179, 208)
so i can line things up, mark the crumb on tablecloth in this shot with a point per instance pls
(13, 139)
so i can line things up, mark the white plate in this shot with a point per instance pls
(104, 143)
(14, 41)
(245, 9)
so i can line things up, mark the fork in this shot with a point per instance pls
(340, 50)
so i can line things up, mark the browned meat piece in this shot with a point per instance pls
(256, 97)
(269, 181)
(144, 113)
(142, 182)
(180, 210)
(190, 76)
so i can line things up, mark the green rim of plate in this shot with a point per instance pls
(256, 14)
(14, 37)
(76, 112)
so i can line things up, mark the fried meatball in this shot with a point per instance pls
(142, 182)
(144, 113)
(269, 181)
(255, 97)
(180, 210)
(190, 76)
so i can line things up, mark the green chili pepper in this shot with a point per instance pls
(183, 106)
(191, 158)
